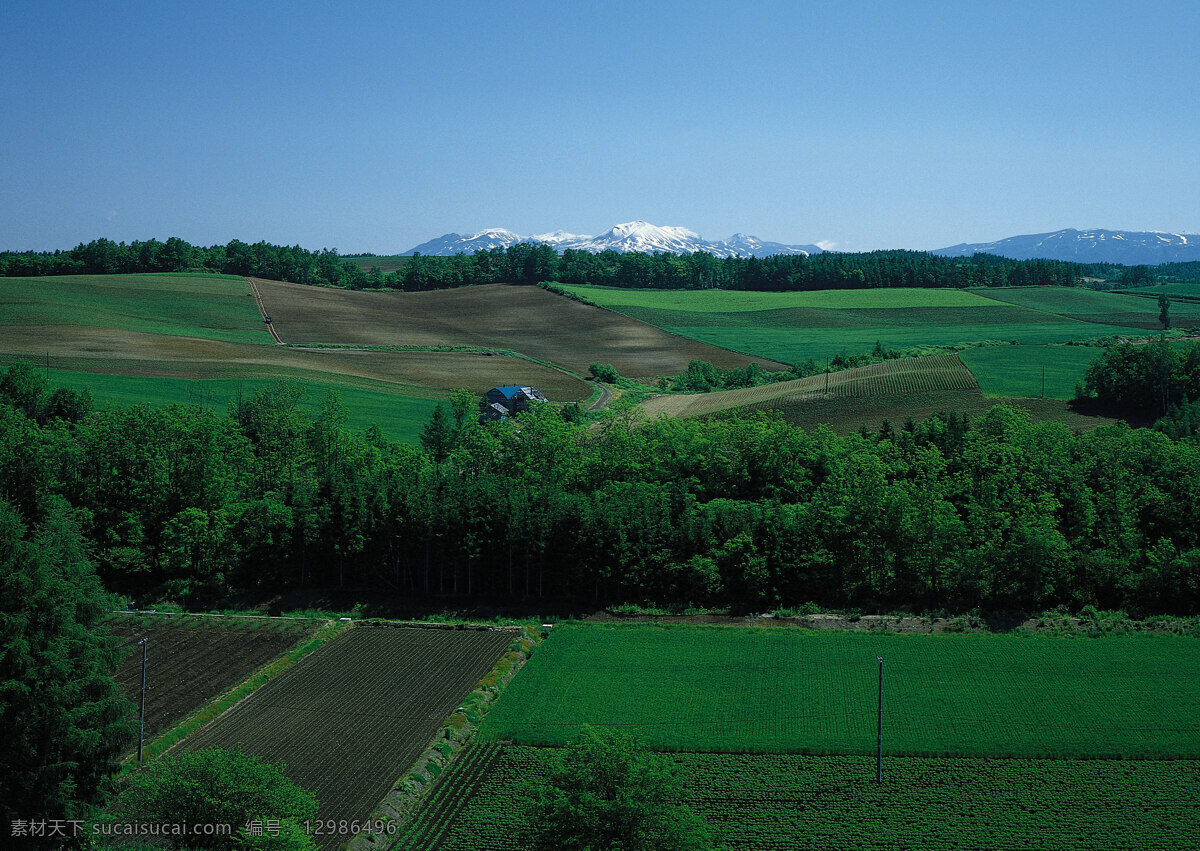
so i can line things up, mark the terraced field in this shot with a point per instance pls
(772, 734)
(350, 719)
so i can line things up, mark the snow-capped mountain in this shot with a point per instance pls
(1132, 248)
(623, 238)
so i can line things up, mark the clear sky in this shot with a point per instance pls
(375, 126)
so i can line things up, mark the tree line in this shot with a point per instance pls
(536, 264)
(995, 513)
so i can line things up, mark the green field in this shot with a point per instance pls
(991, 741)
(715, 689)
(213, 307)
(781, 802)
(1017, 370)
(1188, 290)
(795, 326)
(399, 417)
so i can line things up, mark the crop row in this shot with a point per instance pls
(191, 660)
(780, 801)
(349, 720)
(776, 690)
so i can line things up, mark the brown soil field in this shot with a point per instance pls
(115, 352)
(526, 319)
(350, 719)
(190, 660)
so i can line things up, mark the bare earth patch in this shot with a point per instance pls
(526, 319)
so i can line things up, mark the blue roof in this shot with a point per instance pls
(509, 391)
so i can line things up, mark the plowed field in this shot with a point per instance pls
(526, 319)
(349, 720)
(191, 660)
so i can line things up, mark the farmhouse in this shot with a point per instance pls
(499, 402)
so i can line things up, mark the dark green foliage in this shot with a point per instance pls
(1143, 381)
(1164, 310)
(63, 720)
(605, 372)
(219, 787)
(610, 794)
(995, 513)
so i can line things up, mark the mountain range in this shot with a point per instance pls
(1082, 246)
(1131, 248)
(623, 238)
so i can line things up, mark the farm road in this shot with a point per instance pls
(605, 395)
(262, 308)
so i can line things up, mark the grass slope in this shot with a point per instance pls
(751, 690)
(1017, 370)
(399, 416)
(212, 307)
(796, 326)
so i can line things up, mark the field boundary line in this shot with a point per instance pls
(413, 789)
(262, 309)
(236, 694)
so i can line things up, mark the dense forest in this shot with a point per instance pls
(947, 514)
(524, 263)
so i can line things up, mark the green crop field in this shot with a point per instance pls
(731, 690)
(212, 307)
(795, 326)
(990, 741)
(1187, 290)
(1017, 370)
(791, 801)
(399, 417)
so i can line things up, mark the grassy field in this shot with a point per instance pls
(793, 327)
(782, 802)
(212, 307)
(1017, 370)
(1186, 290)
(742, 690)
(399, 416)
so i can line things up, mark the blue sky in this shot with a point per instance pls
(377, 126)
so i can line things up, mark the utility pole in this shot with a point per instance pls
(145, 642)
(879, 751)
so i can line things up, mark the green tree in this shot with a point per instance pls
(218, 786)
(610, 793)
(63, 720)
(605, 372)
(438, 435)
(1164, 310)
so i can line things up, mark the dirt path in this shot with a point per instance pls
(262, 309)
(605, 395)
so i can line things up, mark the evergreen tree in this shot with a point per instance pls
(63, 720)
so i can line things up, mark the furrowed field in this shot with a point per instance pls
(350, 719)
(192, 659)
(991, 741)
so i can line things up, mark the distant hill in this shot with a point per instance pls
(1130, 248)
(623, 238)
